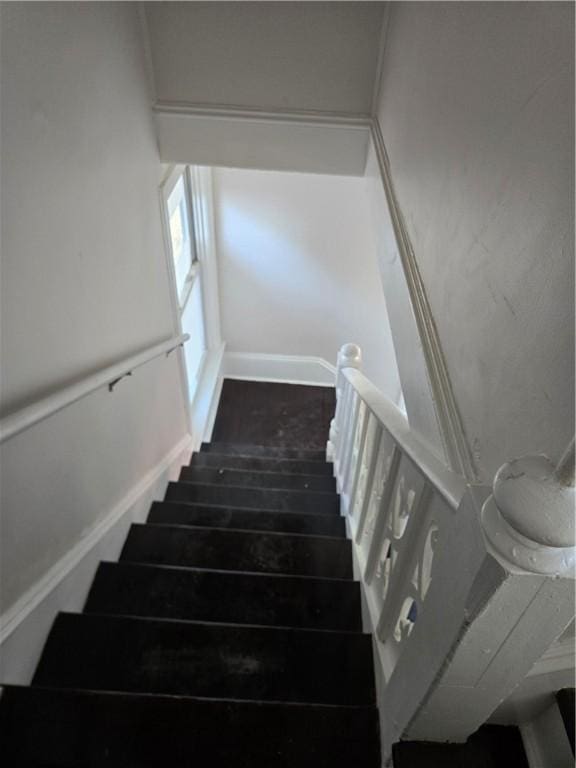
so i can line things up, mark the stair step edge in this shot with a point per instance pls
(249, 531)
(261, 574)
(232, 488)
(265, 628)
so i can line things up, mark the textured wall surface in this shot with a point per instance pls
(476, 110)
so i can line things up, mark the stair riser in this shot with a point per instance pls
(255, 498)
(284, 466)
(246, 520)
(174, 593)
(179, 658)
(239, 551)
(264, 451)
(246, 479)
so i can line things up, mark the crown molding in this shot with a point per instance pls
(236, 112)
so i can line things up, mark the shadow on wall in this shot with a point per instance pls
(298, 269)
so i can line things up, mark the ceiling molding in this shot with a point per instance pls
(233, 111)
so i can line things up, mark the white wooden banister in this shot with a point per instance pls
(438, 559)
(520, 600)
(26, 417)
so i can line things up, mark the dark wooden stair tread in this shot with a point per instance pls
(242, 478)
(314, 502)
(229, 632)
(265, 451)
(98, 652)
(262, 464)
(218, 516)
(232, 550)
(222, 596)
(58, 727)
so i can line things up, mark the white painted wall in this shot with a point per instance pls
(84, 279)
(476, 110)
(290, 55)
(418, 397)
(298, 269)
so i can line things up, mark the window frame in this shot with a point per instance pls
(176, 173)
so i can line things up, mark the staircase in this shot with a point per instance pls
(229, 633)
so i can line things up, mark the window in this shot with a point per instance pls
(181, 239)
(185, 272)
(195, 348)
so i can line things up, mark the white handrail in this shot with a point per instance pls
(446, 482)
(26, 417)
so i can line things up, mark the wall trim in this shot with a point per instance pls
(167, 184)
(286, 369)
(450, 422)
(207, 397)
(209, 428)
(234, 111)
(40, 591)
(202, 194)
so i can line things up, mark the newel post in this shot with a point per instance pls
(349, 356)
(519, 601)
(529, 519)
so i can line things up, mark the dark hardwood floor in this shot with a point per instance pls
(262, 413)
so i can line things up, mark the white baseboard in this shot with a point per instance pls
(205, 404)
(285, 369)
(209, 428)
(25, 626)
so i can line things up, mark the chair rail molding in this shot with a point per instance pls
(461, 604)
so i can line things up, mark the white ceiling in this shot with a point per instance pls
(320, 56)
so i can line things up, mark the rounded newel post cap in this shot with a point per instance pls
(350, 356)
(529, 518)
(533, 501)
